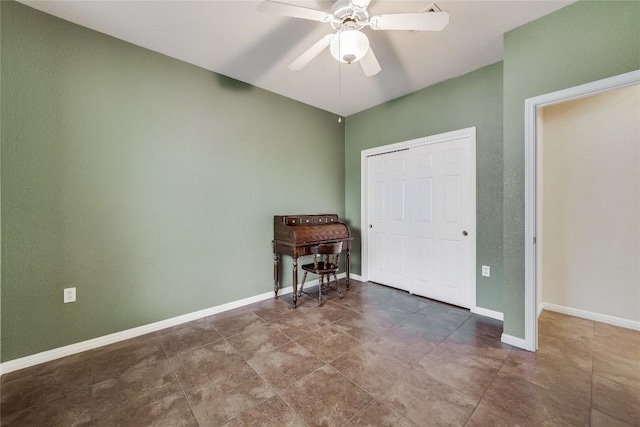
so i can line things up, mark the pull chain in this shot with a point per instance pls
(339, 77)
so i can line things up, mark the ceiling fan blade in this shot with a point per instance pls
(294, 11)
(370, 64)
(311, 53)
(419, 21)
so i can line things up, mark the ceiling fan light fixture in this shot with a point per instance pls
(349, 46)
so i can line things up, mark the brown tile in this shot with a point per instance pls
(229, 397)
(145, 395)
(270, 413)
(426, 401)
(403, 301)
(328, 343)
(562, 326)
(599, 419)
(413, 338)
(442, 314)
(621, 341)
(309, 318)
(378, 415)
(258, 338)
(233, 322)
(42, 383)
(576, 352)
(136, 384)
(366, 325)
(462, 373)
(378, 292)
(70, 365)
(112, 360)
(358, 302)
(207, 366)
(617, 354)
(285, 365)
(163, 410)
(486, 415)
(310, 293)
(556, 376)
(489, 351)
(616, 400)
(372, 370)
(617, 367)
(482, 327)
(189, 336)
(73, 409)
(355, 286)
(272, 309)
(512, 401)
(326, 398)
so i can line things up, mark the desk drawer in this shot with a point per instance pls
(298, 220)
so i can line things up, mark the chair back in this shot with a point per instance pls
(330, 252)
(327, 249)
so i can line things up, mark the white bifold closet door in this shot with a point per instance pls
(421, 220)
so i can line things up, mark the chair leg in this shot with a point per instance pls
(338, 286)
(320, 280)
(304, 277)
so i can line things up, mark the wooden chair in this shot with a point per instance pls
(326, 259)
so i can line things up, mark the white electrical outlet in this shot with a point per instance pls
(486, 271)
(69, 295)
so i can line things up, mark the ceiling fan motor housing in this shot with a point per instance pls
(345, 13)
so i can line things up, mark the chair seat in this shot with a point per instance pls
(326, 260)
(323, 268)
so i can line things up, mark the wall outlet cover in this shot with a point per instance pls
(69, 295)
(486, 271)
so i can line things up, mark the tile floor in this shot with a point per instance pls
(378, 357)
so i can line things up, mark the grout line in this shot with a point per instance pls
(184, 393)
(276, 393)
(360, 411)
(488, 387)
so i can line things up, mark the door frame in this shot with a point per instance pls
(405, 145)
(530, 147)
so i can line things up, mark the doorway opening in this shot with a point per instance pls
(533, 118)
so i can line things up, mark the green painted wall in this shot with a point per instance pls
(581, 43)
(474, 99)
(148, 183)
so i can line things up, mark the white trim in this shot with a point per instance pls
(530, 118)
(540, 308)
(514, 341)
(68, 350)
(356, 277)
(590, 315)
(469, 132)
(488, 313)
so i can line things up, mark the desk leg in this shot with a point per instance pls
(295, 282)
(275, 275)
(348, 268)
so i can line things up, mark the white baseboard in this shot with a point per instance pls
(488, 313)
(514, 341)
(68, 350)
(590, 315)
(356, 277)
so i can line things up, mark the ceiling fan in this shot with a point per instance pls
(347, 17)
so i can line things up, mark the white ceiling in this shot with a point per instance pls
(232, 38)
